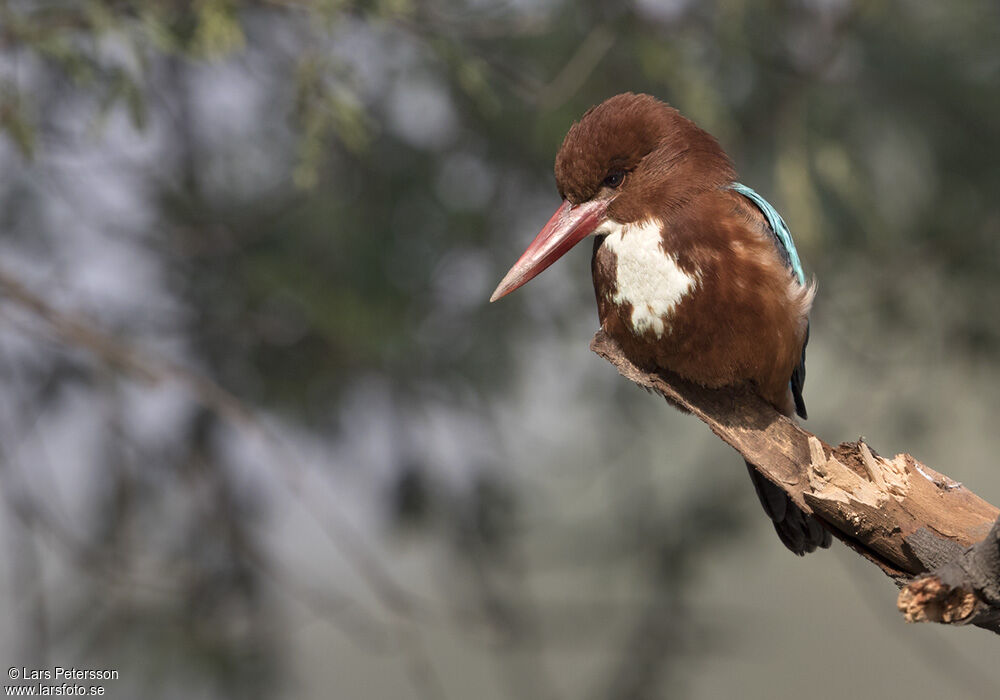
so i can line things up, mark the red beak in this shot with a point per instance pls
(567, 227)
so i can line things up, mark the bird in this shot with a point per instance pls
(694, 272)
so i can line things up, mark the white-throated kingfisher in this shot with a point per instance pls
(694, 272)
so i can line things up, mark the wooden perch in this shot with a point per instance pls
(936, 539)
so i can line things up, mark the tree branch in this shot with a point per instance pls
(936, 539)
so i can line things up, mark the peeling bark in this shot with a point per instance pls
(934, 537)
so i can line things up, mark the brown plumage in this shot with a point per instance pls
(687, 272)
(746, 320)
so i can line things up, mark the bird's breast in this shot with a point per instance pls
(643, 281)
(715, 304)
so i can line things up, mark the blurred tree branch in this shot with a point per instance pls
(939, 541)
(120, 355)
(214, 399)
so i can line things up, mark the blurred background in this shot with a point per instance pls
(261, 434)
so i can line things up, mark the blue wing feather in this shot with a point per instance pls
(778, 227)
(786, 246)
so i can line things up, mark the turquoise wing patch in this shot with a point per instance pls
(777, 225)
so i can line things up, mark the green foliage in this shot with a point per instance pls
(324, 109)
(16, 119)
(821, 122)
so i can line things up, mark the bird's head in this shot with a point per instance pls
(628, 159)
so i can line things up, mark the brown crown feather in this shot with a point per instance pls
(622, 133)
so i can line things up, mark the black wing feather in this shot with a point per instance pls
(798, 380)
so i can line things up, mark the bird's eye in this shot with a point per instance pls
(614, 179)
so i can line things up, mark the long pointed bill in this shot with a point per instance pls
(567, 227)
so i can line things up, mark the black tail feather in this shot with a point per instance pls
(799, 532)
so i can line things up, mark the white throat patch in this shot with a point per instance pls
(647, 276)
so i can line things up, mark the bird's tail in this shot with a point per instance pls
(799, 532)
